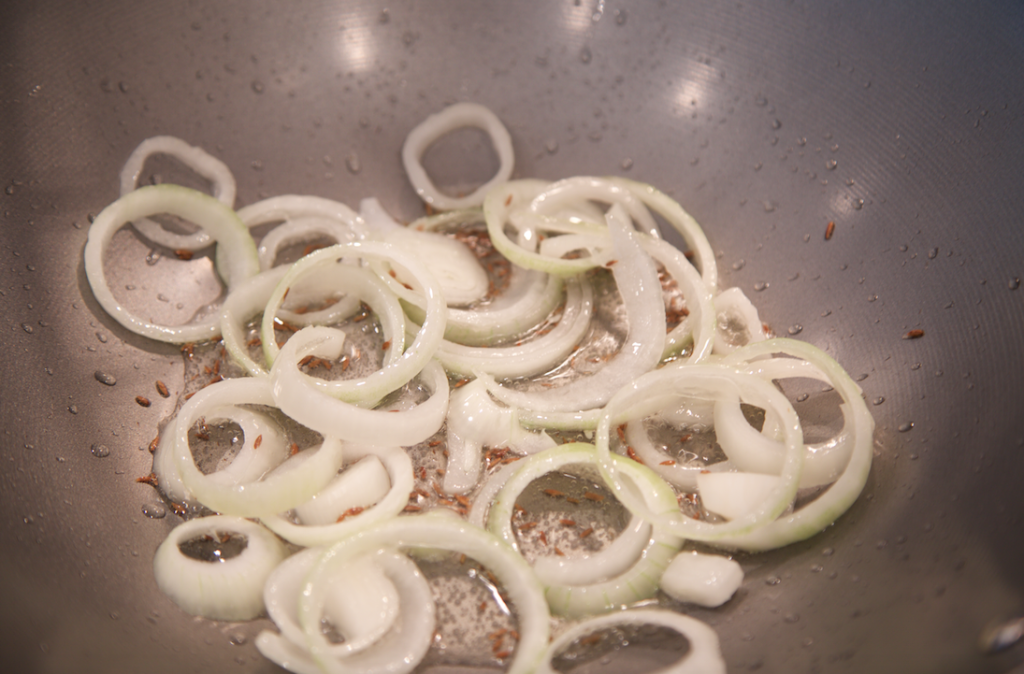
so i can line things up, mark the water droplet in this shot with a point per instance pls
(102, 337)
(803, 397)
(772, 580)
(105, 378)
(831, 164)
(791, 618)
(913, 456)
(28, 519)
(769, 206)
(27, 328)
(1014, 283)
(163, 298)
(155, 510)
(100, 451)
(620, 17)
(872, 298)
(385, 16)
(760, 100)
(626, 164)
(73, 409)
(881, 544)
(905, 426)
(817, 568)
(761, 285)
(257, 86)
(757, 166)
(739, 264)
(585, 55)
(551, 146)
(878, 401)
(999, 636)
(858, 204)
(828, 552)
(795, 329)
(915, 366)
(827, 312)
(256, 165)
(114, 615)
(238, 639)
(352, 162)
(152, 257)
(776, 124)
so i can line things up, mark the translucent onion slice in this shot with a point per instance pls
(304, 218)
(815, 516)
(287, 487)
(566, 193)
(196, 159)
(638, 284)
(703, 657)
(698, 328)
(738, 322)
(463, 281)
(439, 124)
(399, 467)
(397, 652)
(264, 445)
(668, 387)
(359, 486)
(363, 583)
(534, 355)
(229, 589)
(682, 475)
(618, 574)
(219, 221)
(705, 580)
(397, 372)
(307, 402)
(444, 532)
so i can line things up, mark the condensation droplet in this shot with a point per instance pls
(933, 253)
(878, 401)
(551, 146)
(757, 166)
(385, 16)
(155, 510)
(585, 55)
(915, 366)
(238, 639)
(27, 328)
(105, 378)
(739, 264)
(626, 164)
(152, 257)
(257, 86)
(803, 397)
(769, 206)
(352, 162)
(791, 618)
(256, 164)
(761, 285)
(102, 337)
(776, 124)
(795, 329)
(73, 409)
(1014, 283)
(772, 580)
(620, 17)
(828, 552)
(760, 100)
(817, 568)
(827, 312)
(100, 450)
(905, 426)
(858, 204)
(831, 164)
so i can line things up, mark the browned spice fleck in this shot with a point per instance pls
(257, 442)
(567, 522)
(142, 400)
(830, 229)
(412, 508)
(161, 388)
(183, 254)
(553, 492)
(586, 532)
(150, 479)
(914, 334)
(591, 496)
(154, 443)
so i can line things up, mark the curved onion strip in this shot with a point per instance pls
(302, 399)
(664, 387)
(462, 278)
(618, 574)
(251, 462)
(532, 356)
(216, 219)
(683, 222)
(399, 467)
(683, 476)
(285, 488)
(356, 488)
(699, 327)
(600, 566)
(439, 124)
(363, 581)
(229, 589)
(703, 657)
(638, 284)
(303, 219)
(435, 530)
(825, 509)
(398, 652)
(196, 159)
(481, 506)
(566, 193)
(738, 322)
(413, 359)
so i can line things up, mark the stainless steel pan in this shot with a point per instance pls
(901, 122)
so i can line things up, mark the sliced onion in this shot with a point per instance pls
(435, 530)
(360, 485)
(229, 589)
(439, 124)
(399, 467)
(264, 445)
(217, 219)
(705, 580)
(703, 657)
(286, 488)
(682, 475)
(738, 322)
(196, 159)
(463, 281)
(698, 328)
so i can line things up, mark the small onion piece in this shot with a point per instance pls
(218, 220)
(196, 159)
(444, 532)
(705, 580)
(288, 486)
(439, 124)
(703, 657)
(228, 589)
(359, 486)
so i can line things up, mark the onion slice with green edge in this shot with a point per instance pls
(666, 387)
(444, 532)
(396, 373)
(399, 651)
(640, 289)
(285, 488)
(622, 575)
(228, 589)
(440, 124)
(219, 221)
(399, 467)
(533, 355)
(815, 516)
(703, 657)
(197, 159)
(308, 403)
